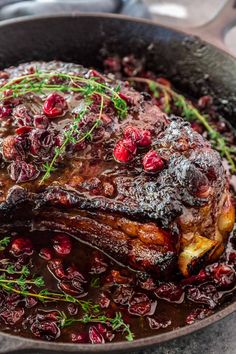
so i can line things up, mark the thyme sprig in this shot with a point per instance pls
(117, 322)
(190, 113)
(4, 242)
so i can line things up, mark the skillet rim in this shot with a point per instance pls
(23, 343)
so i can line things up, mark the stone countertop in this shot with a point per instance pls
(219, 338)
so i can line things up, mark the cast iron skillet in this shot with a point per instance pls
(195, 66)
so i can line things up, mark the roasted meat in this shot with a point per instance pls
(142, 187)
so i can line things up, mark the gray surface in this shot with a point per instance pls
(219, 338)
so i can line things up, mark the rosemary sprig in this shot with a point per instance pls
(190, 112)
(117, 322)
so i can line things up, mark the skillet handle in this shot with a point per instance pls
(215, 30)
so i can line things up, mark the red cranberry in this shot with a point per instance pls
(223, 275)
(56, 267)
(21, 246)
(45, 330)
(232, 258)
(122, 295)
(98, 264)
(197, 127)
(55, 105)
(146, 139)
(42, 142)
(113, 64)
(104, 332)
(104, 301)
(79, 337)
(198, 314)
(204, 294)
(62, 244)
(125, 150)
(132, 133)
(170, 292)
(41, 122)
(140, 305)
(11, 317)
(74, 274)
(205, 101)
(23, 130)
(21, 171)
(131, 65)
(46, 254)
(67, 287)
(30, 302)
(158, 322)
(5, 111)
(152, 162)
(22, 115)
(12, 148)
(94, 336)
(148, 284)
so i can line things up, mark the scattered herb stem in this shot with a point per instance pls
(190, 112)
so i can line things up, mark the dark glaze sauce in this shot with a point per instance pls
(117, 284)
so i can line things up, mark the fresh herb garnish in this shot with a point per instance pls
(4, 243)
(95, 283)
(190, 113)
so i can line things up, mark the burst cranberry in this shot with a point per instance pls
(147, 284)
(122, 295)
(23, 130)
(74, 274)
(140, 305)
(21, 246)
(40, 122)
(62, 244)
(11, 317)
(158, 322)
(125, 150)
(205, 101)
(5, 111)
(67, 287)
(46, 254)
(145, 139)
(56, 267)
(79, 337)
(21, 171)
(12, 148)
(30, 302)
(72, 309)
(55, 105)
(132, 133)
(170, 292)
(104, 301)
(152, 162)
(198, 314)
(224, 276)
(41, 142)
(94, 336)
(98, 264)
(22, 115)
(104, 332)
(45, 330)
(204, 294)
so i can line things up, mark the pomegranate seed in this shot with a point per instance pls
(62, 244)
(125, 150)
(23, 130)
(55, 105)
(21, 246)
(152, 162)
(46, 254)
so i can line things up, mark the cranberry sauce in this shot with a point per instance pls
(70, 267)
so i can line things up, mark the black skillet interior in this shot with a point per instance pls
(195, 67)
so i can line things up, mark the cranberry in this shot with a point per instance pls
(67, 287)
(79, 337)
(42, 142)
(5, 111)
(104, 301)
(198, 314)
(140, 137)
(104, 332)
(21, 171)
(122, 295)
(139, 305)
(113, 64)
(62, 244)
(125, 150)
(205, 101)
(46, 254)
(232, 258)
(152, 162)
(41, 122)
(23, 130)
(56, 267)
(223, 275)
(201, 277)
(22, 115)
(204, 294)
(45, 330)
(197, 127)
(158, 322)
(98, 264)
(21, 246)
(131, 65)
(74, 274)
(30, 302)
(170, 292)
(72, 309)
(11, 317)
(147, 284)
(94, 336)
(145, 139)
(55, 105)
(12, 148)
